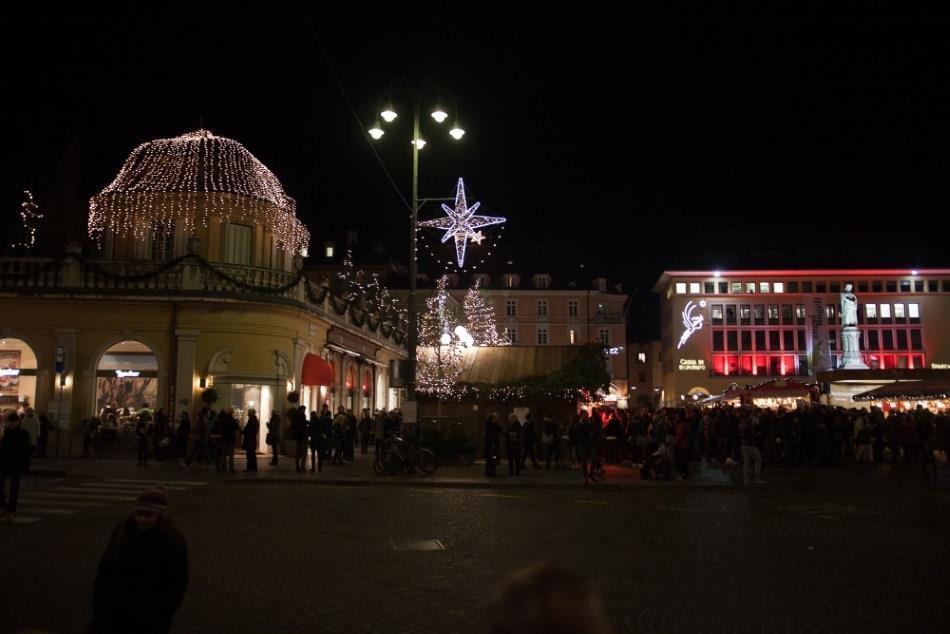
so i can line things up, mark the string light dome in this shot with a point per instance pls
(192, 178)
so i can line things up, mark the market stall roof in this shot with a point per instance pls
(780, 388)
(926, 390)
(508, 364)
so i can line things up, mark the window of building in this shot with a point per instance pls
(885, 311)
(745, 314)
(806, 287)
(870, 311)
(511, 307)
(774, 340)
(237, 244)
(328, 250)
(862, 287)
(830, 313)
(709, 287)
(542, 308)
(641, 357)
(799, 313)
(542, 281)
(778, 287)
(891, 286)
(915, 339)
(746, 339)
(572, 308)
(933, 286)
(946, 286)
(750, 287)
(542, 336)
(723, 287)
(760, 340)
(601, 309)
(758, 314)
(899, 314)
(717, 340)
(694, 288)
(832, 340)
(835, 287)
(801, 340)
(512, 281)
(913, 311)
(163, 240)
(793, 287)
(874, 342)
(681, 288)
(820, 287)
(736, 288)
(572, 336)
(788, 339)
(887, 338)
(763, 287)
(902, 339)
(905, 286)
(512, 335)
(730, 314)
(605, 336)
(773, 313)
(786, 313)
(716, 313)
(918, 286)
(732, 341)
(877, 287)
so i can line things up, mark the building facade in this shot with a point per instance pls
(744, 327)
(189, 289)
(645, 372)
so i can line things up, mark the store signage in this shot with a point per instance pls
(692, 364)
(691, 322)
(940, 366)
(613, 352)
(123, 374)
(9, 371)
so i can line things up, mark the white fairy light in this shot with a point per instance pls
(461, 223)
(192, 178)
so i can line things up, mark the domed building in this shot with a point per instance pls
(196, 283)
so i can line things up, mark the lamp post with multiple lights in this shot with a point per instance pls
(388, 115)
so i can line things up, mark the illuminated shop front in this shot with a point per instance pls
(747, 327)
(17, 375)
(126, 379)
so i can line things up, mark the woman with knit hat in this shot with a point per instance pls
(144, 573)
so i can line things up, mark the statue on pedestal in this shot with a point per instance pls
(850, 335)
(848, 307)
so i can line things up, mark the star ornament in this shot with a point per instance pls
(462, 224)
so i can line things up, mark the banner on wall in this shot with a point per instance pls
(10, 380)
(820, 348)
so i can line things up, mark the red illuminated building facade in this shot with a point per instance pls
(748, 326)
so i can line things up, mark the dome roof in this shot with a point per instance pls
(192, 177)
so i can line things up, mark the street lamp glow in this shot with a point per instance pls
(419, 143)
(376, 133)
(446, 339)
(388, 115)
(439, 116)
(457, 133)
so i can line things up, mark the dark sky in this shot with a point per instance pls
(610, 135)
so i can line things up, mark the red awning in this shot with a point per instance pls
(316, 371)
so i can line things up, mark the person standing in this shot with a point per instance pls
(584, 441)
(15, 454)
(229, 431)
(529, 440)
(143, 435)
(199, 439)
(681, 447)
(492, 444)
(143, 575)
(366, 430)
(315, 432)
(31, 425)
(750, 453)
(249, 439)
(513, 444)
(273, 435)
(183, 435)
(299, 426)
(551, 441)
(160, 439)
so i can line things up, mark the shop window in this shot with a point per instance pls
(902, 339)
(716, 313)
(905, 286)
(902, 361)
(709, 287)
(732, 364)
(806, 287)
(758, 314)
(915, 339)
(681, 288)
(745, 314)
(888, 361)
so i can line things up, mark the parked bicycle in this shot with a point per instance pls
(399, 456)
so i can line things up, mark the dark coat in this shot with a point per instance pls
(250, 432)
(273, 428)
(15, 451)
(141, 580)
(229, 429)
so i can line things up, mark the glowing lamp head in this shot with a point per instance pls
(914, 272)
(419, 143)
(457, 133)
(376, 133)
(717, 273)
(446, 339)
(439, 116)
(388, 115)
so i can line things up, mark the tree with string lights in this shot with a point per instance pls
(30, 218)
(439, 356)
(480, 318)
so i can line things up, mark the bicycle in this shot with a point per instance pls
(398, 455)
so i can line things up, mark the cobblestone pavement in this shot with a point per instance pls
(672, 558)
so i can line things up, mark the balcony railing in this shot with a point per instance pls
(190, 276)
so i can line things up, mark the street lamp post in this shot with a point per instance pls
(418, 143)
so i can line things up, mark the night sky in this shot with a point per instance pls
(617, 137)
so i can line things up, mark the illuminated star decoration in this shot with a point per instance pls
(461, 223)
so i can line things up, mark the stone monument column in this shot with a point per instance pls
(850, 335)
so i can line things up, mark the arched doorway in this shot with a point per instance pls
(126, 381)
(366, 388)
(17, 375)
